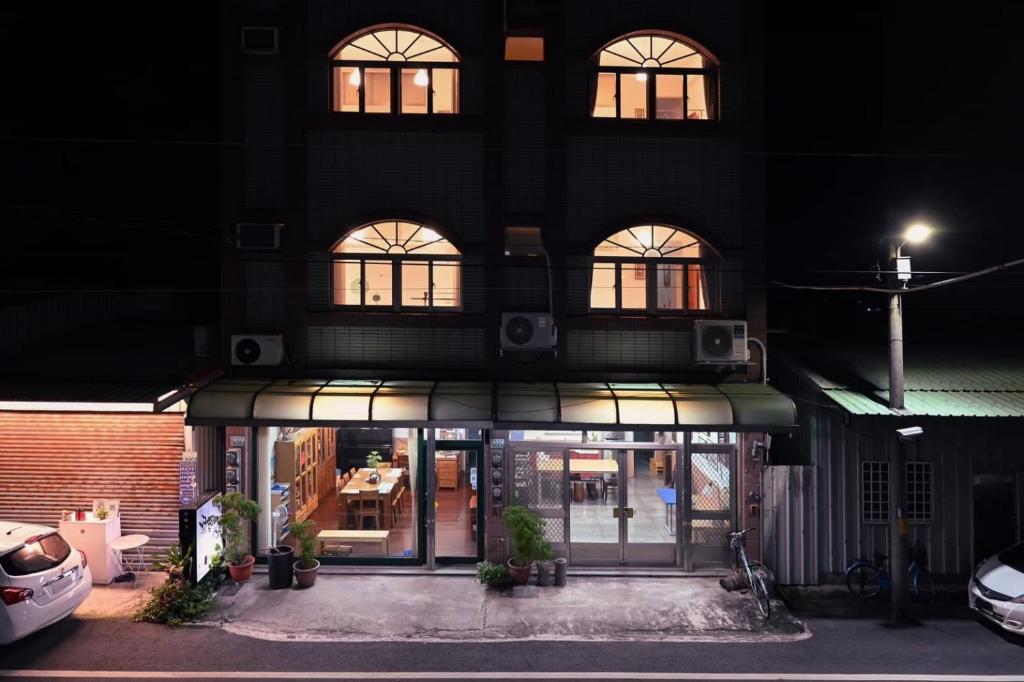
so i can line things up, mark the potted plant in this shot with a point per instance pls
(236, 514)
(174, 562)
(526, 540)
(218, 568)
(492, 575)
(373, 461)
(307, 566)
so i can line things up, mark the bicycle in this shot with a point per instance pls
(867, 579)
(751, 573)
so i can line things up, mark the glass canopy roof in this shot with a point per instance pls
(751, 407)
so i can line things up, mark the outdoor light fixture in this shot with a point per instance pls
(917, 233)
(909, 433)
(641, 76)
(354, 79)
(421, 78)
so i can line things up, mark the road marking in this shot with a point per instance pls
(436, 675)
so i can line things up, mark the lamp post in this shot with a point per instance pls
(914, 234)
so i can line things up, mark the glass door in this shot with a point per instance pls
(598, 505)
(650, 515)
(457, 518)
(709, 503)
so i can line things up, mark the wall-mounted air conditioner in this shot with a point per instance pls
(528, 331)
(257, 350)
(258, 236)
(720, 342)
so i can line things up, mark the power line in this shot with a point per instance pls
(909, 290)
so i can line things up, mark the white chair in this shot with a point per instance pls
(129, 552)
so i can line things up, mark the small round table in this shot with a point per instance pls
(129, 550)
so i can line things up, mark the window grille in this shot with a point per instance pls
(874, 487)
(919, 492)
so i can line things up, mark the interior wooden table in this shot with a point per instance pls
(385, 487)
(582, 466)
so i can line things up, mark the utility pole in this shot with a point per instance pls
(898, 559)
(895, 339)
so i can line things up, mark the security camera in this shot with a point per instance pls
(909, 433)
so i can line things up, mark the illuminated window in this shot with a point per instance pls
(396, 265)
(524, 49)
(395, 69)
(652, 75)
(652, 268)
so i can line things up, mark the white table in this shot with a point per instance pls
(93, 537)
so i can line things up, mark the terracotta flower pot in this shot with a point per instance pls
(520, 574)
(305, 577)
(243, 571)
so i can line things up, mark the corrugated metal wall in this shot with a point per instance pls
(790, 524)
(54, 461)
(208, 443)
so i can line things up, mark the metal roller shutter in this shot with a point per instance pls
(55, 461)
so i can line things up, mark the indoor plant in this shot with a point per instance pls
(526, 540)
(307, 566)
(373, 461)
(236, 514)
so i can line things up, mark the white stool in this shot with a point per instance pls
(133, 562)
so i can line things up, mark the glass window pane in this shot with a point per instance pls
(634, 286)
(347, 283)
(671, 286)
(633, 90)
(604, 96)
(669, 93)
(602, 286)
(346, 88)
(524, 49)
(377, 84)
(445, 83)
(415, 284)
(447, 285)
(696, 97)
(698, 287)
(378, 283)
(414, 91)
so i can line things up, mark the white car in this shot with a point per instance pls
(42, 579)
(997, 589)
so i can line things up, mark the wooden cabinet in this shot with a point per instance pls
(305, 461)
(447, 471)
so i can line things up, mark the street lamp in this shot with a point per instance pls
(915, 233)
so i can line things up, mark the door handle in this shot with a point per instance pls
(629, 512)
(615, 513)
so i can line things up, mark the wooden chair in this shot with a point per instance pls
(657, 463)
(345, 479)
(352, 471)
(369, 507)
(400, 496)
(396, 506)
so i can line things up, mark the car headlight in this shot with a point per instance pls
(1018, 600)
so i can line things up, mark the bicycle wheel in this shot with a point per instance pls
(863, 581)
(760, 590)
(922, 587)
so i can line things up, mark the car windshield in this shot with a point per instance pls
(37, 554)
(1014, 557)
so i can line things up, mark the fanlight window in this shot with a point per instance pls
(395, 69)
(653, 76)
(652, 268)
(397, 265)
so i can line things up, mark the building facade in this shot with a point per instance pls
(463, 220)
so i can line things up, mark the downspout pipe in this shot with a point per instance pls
(764, 357)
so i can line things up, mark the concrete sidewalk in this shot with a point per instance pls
(355, 608)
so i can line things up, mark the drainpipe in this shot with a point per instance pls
(764, 357)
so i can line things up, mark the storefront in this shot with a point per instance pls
(622, 474)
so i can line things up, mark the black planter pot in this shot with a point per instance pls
(279, 566)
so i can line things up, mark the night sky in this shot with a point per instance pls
(877, 112)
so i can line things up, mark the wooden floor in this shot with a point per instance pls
(452, 528)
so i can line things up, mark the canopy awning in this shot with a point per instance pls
(519, 405)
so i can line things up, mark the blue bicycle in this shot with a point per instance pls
(867, 579)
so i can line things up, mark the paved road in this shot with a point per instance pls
(847, 645)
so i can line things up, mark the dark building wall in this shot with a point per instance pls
(522, 152)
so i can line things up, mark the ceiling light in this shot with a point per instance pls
(421, 78)
(641, 76)
(354, 80)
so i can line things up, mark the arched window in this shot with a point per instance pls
(397, 264)
(654, 75)
(395, 69)
(652, 268)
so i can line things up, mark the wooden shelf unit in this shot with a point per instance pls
(306, 461)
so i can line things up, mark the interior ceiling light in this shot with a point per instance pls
(641, 76)
(421, 78)
(354, 79)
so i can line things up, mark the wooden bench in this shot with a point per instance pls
(352, 537)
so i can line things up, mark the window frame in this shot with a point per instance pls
(395, 260)
(395, 69)
(879, 495)
(920, 492)
(710, 74)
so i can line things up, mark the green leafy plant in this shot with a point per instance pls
(302, 531)
(102, 513)
(217, 565)
(174, 562)
(174, 602)
(492, 575)
(526, 536)
(374, 459)
(236, 513)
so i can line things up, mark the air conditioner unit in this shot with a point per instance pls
(258, 236)
(528, 331)
(720, 342)
(257, 350)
